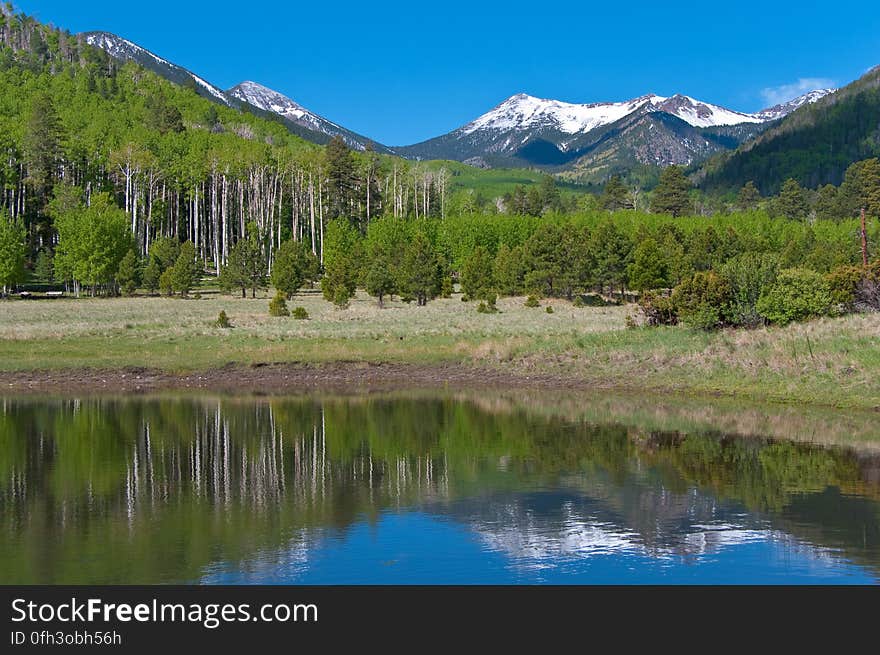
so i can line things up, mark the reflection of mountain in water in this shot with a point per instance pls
(540, 529)
(158, 490)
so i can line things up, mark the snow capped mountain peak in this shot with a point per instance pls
(269, 100)
(701, 114)
(126, 50)
(525, 112)
(785, 108)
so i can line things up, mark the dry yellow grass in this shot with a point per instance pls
(829, 361)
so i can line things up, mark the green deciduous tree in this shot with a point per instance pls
(12, 252)
(91, 243)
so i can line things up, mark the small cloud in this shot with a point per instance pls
(776, 95)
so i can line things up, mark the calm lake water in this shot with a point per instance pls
(428, 489)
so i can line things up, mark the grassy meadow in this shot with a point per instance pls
(829, 361)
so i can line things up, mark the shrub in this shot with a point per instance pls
(658, 309)
(488, 306)
(797, 294)
(278, 305)
(549, 309)
(578, 301)
(446, 287)
(855, 287)
(222, 320)
(703, 317)
(532, 301)
(843, 282)
(702, 300)
(748, 275)
(300, 313)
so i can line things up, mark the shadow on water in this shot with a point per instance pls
(434, 487)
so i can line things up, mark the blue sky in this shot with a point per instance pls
(401, 72)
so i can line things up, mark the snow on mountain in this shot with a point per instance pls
(784, 109)
(700, 114)
(272, 101)
(267, 99)
(524, 112)
(125, 50)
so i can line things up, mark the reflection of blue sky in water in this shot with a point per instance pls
(419, 547)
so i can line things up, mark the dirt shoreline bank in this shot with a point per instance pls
(283, 378)
(347, 378)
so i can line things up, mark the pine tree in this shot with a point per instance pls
(421, 271)
(340, 177)
(44, 266)
(152, 273)
(185, 273)
(246, 267)
(42, 146)
(477, 280)
(649, 267)
(827, 205)
(550, 197)
(861, 189)
(379, 277)
(294, 265)
(792, 201)
(748, 197)
(339, 282)
(128, 277)
(615, 195)
(508, 270)
(672, 194)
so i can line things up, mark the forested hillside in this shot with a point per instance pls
(76, 123)
(814, 145)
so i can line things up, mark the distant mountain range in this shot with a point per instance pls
(598, 138)
(587, 142)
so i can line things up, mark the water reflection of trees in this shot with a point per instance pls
(107, 490)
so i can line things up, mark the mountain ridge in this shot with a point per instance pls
(525, 130)
(585, 141)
